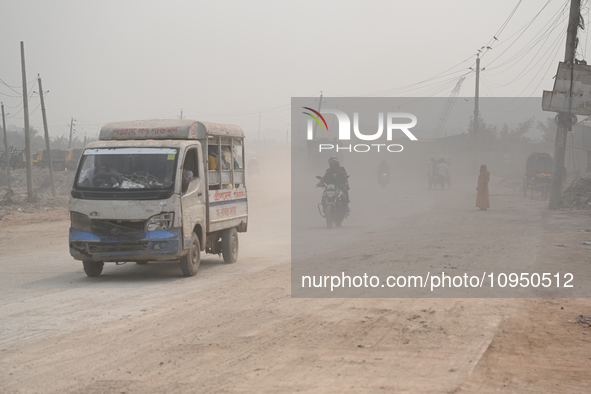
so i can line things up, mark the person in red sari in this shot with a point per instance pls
(482, 197)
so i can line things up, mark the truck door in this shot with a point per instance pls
(192, 194)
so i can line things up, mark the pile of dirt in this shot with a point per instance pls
(10, 198)
(15, 205)
(577, 195)
(41, 184)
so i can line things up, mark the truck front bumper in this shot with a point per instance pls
(142, 246)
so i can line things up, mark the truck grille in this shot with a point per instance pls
(117, 228)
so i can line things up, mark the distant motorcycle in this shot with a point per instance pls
(383, 178)
(332, 206)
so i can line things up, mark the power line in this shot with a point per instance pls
(496, 36)
(544, 32)
(522, 32)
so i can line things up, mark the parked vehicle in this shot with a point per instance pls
(72, 158)
(439, 173)
(538, 174)
(162, 190)
(34, 158)
(58, 159)
(18, 159)
(332, 206)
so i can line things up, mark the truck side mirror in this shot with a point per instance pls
(193, 185)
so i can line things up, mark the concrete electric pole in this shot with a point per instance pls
(564, 119)
(30, 195)
(476, 124)
(45, 130)
(71, 126)
(6, 148)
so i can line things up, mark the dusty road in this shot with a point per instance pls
(235, 328)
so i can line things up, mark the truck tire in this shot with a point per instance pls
(191, 261)
(230, 245)
(93, 268)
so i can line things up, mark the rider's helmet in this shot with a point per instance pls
(333, 163)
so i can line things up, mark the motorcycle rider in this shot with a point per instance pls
(336, 175)
(384, 168)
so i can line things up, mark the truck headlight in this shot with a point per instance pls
(80, 222)
(160, 222)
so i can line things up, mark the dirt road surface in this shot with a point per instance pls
(235, 328)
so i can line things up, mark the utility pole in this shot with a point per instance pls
(71, 125)
(49, 162)
(564, 120)
(181, 113)
(476, 124)
(30, 195)
(7, 154)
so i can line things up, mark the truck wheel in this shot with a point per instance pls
(230, 245)
(93, 268)
(191, 261)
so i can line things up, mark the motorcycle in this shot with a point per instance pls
(332, 206)
(383, 178)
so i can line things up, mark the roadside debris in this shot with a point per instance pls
(577, 195)
(584, 319)
(10, 198)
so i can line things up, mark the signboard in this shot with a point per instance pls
(227, 204)
(166, 129)
(559, 100)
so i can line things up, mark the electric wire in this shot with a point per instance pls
(528, 47)
(526, 27)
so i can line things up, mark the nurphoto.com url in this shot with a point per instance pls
(436, 281)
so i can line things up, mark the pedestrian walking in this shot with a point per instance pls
(482, 197)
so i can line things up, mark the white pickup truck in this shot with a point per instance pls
(159, 190)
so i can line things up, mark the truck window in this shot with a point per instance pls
(238, 151)
(127, 168)
(225, 163)
(213, 163)
(190, 167)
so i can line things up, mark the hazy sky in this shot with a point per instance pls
(226, 61)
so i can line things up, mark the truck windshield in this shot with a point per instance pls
(127, 168)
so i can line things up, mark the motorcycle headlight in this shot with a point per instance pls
(160, 222)
(330, 193)
(80, 222)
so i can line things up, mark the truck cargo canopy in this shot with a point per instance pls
(166, 129)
